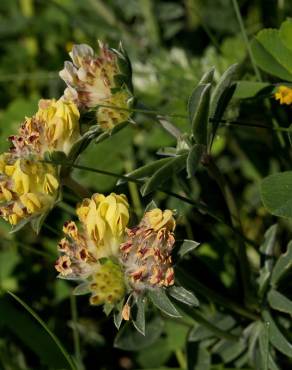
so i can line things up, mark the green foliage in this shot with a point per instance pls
(202, 141)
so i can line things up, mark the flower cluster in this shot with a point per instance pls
(28, 186)
(103, 220)
(284, 95)
(112, 260)
(146, 254)
(99, 80)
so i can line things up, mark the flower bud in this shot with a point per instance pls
(99, 80)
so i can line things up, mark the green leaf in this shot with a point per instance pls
(251, 89)
(282, 266)
(271, 41)
(201, 332)
(198, 357)
(118, 317)
(267, 359)
(55, 352)
(105, 135)
(37, 222)
(277, 339)
(198, 108)
(285, 33)
(279, 302)
(81, 289)
(170, 128)
(267, 249)
(228, 350)
(187, 246)
(267, 62)
(194, 159)
(139, 321)
(161, 301)
(145, 171)
(183, 295)
(173, 166)
(221, 96)
(129, 339)
(276, 193)
(207, 77)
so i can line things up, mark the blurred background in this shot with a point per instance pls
(171, 44)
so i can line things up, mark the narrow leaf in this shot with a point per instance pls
(208, 77)
(277, 339)
(279, 302)
(282, 266)
(145, 171)
(173, 166)
(129, 339)
(139, 321)
(194, 159)
(221, 96)
(183, 295)
(45, 327)
(161, 301)
(187, 246)
(170, 128)
(198, 108)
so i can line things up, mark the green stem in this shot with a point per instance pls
(143, 111)
(147, 8)
(200, 206)
(66, 355)
(253, 62)
(181, 359)
(245, 38)
(77, 188)
(76, 338)
(235, 220)
(134, 192)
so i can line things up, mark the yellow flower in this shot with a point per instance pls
(146, 254)
(105, 219)
(96, 80)
(61, 121)
(27, 188)
(54, 127)
(284, 95)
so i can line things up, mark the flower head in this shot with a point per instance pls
(97, 80)
(284, 95)
(146, 254)
(103, 220)
(54, 127)
(27, 188)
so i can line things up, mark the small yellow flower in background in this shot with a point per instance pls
(284, 95)
(55, 127)
(103, 220)
(146, 254)
(93, 80)
(27, 188)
